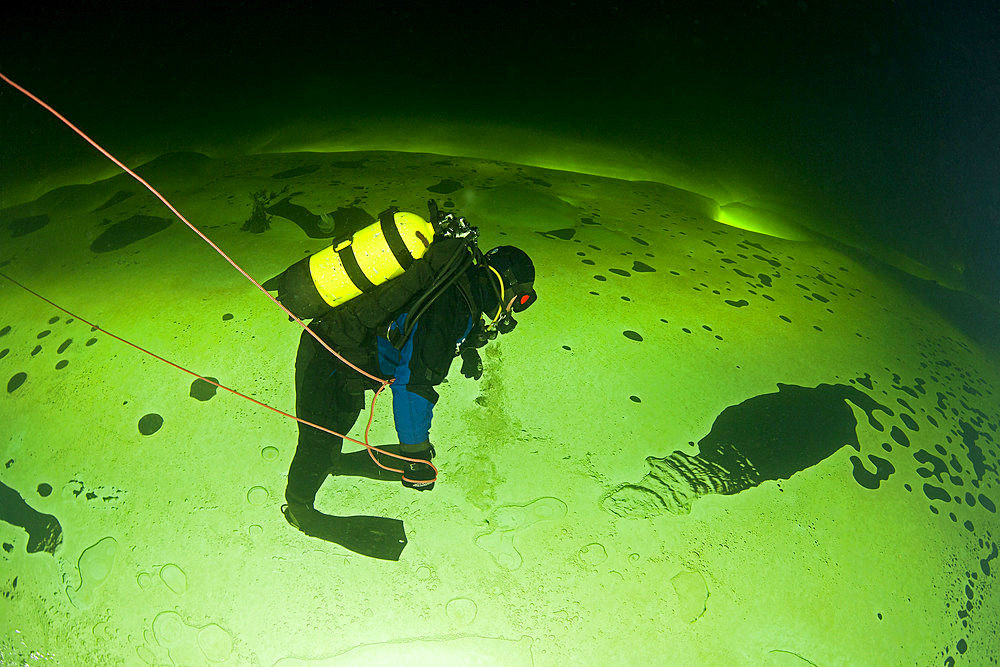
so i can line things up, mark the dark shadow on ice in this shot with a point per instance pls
(771, 436)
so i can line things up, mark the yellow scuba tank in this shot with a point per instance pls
(354, 265)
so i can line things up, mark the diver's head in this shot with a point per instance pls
(513, 282)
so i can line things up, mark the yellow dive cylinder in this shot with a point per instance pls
(352, 266)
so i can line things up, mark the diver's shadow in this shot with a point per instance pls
(44, 531)
(372, 536)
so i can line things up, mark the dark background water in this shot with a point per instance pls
(883, 116)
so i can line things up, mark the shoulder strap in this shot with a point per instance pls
(465, 288)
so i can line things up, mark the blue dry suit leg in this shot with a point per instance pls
(413, 399)
(324, 395)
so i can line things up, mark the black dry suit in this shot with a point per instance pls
(331, 394)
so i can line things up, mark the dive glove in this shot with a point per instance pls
(472, 363)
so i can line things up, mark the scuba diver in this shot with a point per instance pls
(409, 328)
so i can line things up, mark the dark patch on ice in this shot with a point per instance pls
(936, 493)
(938, 468)
(872, 480)
(15, 382)
(445, 187)
(297, 171)
(561, 234)
(312, 224)
(976, 456)
(632, 335)
(204, 391)
(116, 198)
(738, 304)
(899, 436)
(349, 219)
(538, 181)
(25, 226)
(639, 267)
(125, 233)
(150, 424)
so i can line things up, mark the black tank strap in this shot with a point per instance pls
(354, 272)
(396, 244)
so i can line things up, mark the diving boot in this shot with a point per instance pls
(298, 514)
(419, 476)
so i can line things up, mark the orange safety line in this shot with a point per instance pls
(177, 213)
(185, 221)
